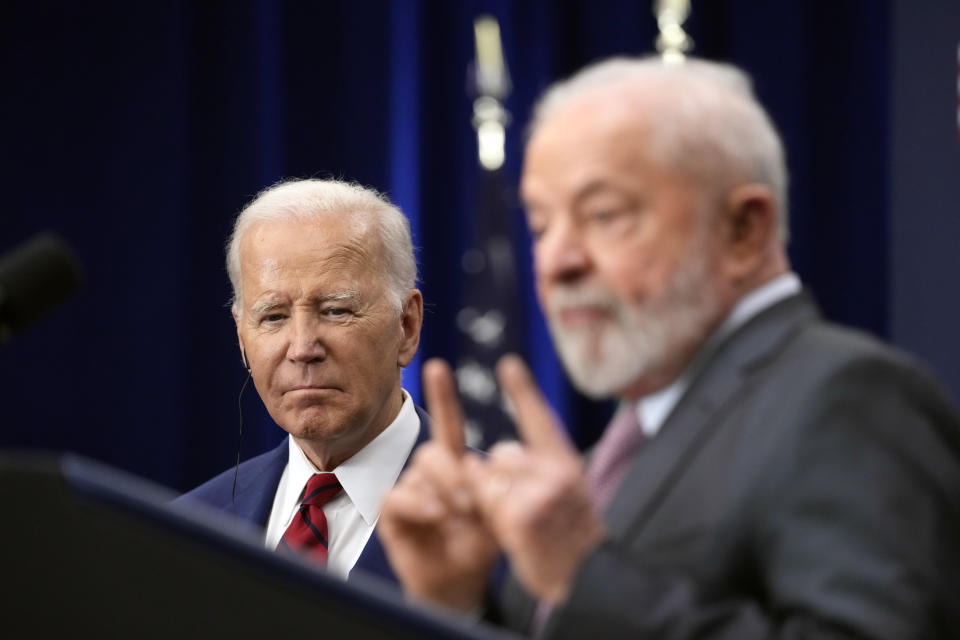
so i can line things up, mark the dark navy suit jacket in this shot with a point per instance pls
(257, 481)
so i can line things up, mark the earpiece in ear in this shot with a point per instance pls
(243, 355)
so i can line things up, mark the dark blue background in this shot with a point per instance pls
(138, 131)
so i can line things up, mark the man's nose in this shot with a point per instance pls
(306, 344)
(561, 254)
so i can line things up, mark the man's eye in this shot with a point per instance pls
(618, 219)
(273, 317)
(603, 215)
(336, 311)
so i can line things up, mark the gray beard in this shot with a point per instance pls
(604, 359)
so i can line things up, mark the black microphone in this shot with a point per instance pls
(35, 276)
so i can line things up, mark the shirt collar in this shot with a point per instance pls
(368, 474)
(653, 409)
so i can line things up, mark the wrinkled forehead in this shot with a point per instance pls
(335, 241)
(327, 229)
(588, 135)
(660, 122)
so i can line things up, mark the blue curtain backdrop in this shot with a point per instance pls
(138, 131)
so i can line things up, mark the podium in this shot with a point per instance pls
(89, 551)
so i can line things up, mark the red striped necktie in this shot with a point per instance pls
(307, 534)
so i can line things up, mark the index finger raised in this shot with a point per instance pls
(443, 405)
(536, 422)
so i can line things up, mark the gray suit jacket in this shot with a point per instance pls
(806, 486)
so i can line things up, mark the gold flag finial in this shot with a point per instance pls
(672, 42)
(492, 86)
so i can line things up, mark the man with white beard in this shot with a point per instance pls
(767, 474)
(602, 357)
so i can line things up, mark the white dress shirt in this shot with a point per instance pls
(365, 477)
(653, 409)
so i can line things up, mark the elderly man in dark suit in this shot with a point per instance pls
(767, 474)
(327, 316)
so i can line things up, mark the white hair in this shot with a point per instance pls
(311, 200)
(713, 125)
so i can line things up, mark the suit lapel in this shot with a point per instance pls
(257, 484)
(373, 559)
(721, 379)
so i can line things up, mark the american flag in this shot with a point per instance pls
(489, 320)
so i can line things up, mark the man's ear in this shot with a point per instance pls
(411, 320)
(750, 230)
(243, 349)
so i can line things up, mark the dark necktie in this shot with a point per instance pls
(608, 465)
(612, 455)
(307, 534)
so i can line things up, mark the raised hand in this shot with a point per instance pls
(533, 494)
(434, 536)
